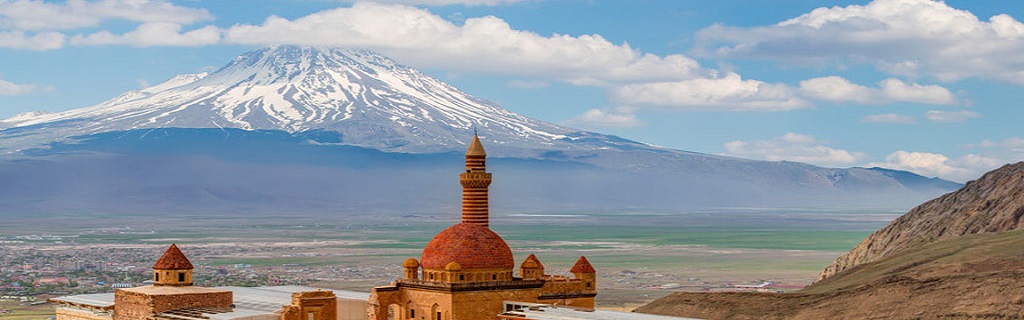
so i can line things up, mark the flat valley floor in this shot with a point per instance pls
(640, 256)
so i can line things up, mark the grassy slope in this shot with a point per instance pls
(978, 276)
(22, 311)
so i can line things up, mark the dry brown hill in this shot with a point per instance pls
(993, 203)
(975, 277)
(955, 257)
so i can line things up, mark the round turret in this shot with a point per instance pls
(411, 263)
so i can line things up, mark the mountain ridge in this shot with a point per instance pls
(372, 100)
(288, 101)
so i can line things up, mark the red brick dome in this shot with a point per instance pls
(472, 246)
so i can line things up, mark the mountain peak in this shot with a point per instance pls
(371, 100)
(284, 62)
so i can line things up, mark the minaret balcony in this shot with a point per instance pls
(475, 179)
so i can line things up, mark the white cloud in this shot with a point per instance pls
(8, 88)
(896, 90)
(950, 116)
(793, 147)
(34, 15)
(836, 89)
(984, 156)
(153, 34)
(596, 118)
(728, 93)
(39, 41)
(891, 90)
(37, 25)
(446, 2)
(889, 118)
(1011, 145)
(965, 168)
(901, 37)
(483, 44)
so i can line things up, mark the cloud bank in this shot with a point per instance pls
(912, 38)
(838, 89)
(484, 44)
(794, 147)
(8, 88)
(596, 118)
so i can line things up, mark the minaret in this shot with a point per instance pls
(474, 185)
(173, 269)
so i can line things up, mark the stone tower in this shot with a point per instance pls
(171, 290)
(173, 269)
(412, 269)
(474, 185)
(531, 268)
(585, 272)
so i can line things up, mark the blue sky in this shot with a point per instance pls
(930, 87)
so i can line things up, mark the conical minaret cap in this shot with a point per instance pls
(476, 148)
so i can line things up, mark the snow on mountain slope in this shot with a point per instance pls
(293, 123)
(368, 98)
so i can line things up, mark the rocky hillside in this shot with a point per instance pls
(959, 256)
(993, 203)
(978, 276)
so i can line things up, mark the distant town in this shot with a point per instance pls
(50, 265)
(46, 265)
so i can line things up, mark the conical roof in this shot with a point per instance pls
(582, 266)
(173, 259)
(476, 148)
(532, 262)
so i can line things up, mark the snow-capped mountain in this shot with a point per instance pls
(294, 129)
(368, 98)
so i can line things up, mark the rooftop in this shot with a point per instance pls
(95, 300)
(173, 259)
(470, 245)
(171, 290)
(582, 266)
(533, 311)
(248, 301)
